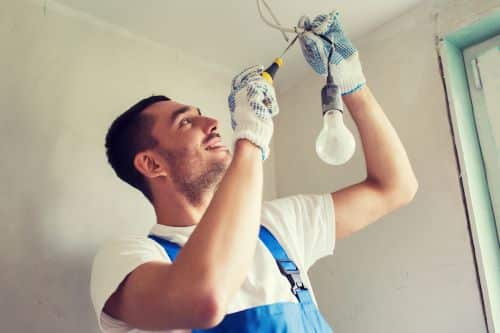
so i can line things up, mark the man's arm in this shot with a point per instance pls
(193, 291)
(390, 181)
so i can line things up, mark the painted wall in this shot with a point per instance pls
(412, 271)
(65, 77)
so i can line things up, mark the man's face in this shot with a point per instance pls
(190, 146)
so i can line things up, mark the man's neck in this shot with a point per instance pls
(175, 210)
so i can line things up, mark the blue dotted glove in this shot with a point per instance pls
(345, 65)
(252, 102)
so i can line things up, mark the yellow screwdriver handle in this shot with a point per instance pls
(269, 73)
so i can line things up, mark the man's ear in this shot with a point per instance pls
(148, 165)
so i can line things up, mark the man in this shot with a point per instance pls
(218, 259)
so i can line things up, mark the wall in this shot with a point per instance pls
(65, 77)
(412, 271)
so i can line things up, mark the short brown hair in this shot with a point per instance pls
(128, 135)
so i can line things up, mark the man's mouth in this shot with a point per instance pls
(214, 143)
(215, 147)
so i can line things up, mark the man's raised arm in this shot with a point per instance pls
(194, 291)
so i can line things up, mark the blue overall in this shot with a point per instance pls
(280, 317)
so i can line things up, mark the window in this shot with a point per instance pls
(482, 63)
(470, 69)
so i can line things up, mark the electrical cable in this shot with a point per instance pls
(303, 26)
(272, 25)
(275, 19)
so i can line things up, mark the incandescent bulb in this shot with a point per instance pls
(335, 144)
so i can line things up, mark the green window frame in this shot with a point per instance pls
(478, 202)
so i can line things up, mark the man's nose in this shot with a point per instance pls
(211, 125)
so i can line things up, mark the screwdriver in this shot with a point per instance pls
(270, 71)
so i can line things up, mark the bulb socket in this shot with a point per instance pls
(331, 98)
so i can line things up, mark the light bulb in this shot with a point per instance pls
(335, 144)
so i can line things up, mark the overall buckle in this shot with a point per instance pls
(292, 272)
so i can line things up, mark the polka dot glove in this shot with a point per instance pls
(252, 102)
(345, 65)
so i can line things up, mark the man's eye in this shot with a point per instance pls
(184, 121)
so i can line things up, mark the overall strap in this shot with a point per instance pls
(171, 247)
(287, 267)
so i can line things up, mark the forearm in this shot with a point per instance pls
(220, 250)
(387, 162)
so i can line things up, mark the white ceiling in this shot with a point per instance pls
(231, 33)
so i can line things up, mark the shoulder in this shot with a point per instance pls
(299, 203)
(115, 259)
(128, 247)
(303, 223)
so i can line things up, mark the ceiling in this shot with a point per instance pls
(231, 33)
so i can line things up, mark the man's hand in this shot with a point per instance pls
(315, 44)
(252, 102)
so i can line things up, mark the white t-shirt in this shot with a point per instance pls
(303, 224)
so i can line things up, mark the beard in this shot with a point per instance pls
(192, 177)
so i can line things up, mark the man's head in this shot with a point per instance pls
(159, 142)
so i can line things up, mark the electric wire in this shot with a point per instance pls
(275, 20)
(298, 30)
(295, 30)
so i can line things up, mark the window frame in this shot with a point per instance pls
(484, 130)
(472, 176)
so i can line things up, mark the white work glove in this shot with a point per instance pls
(252, 102)
(345, 65)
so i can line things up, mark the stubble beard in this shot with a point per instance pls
(194, 185)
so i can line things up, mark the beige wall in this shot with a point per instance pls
(64, 78)
(412, 271)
